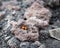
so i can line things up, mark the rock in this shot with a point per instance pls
(13, 42)
(24, 31)
(37, 22)
(55, 33)
(38, 11)
(37, 43)
(34, 6)
(42, 46)
(24, 45)
(33, 46)
(43, 35)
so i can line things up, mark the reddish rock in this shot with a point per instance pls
(37, 22)
(37, 10)
(25, 31)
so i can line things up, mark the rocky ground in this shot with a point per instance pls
(43, 16)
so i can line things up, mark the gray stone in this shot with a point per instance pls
(42, 46)
(37, 22)
(37, 43)
(55, 33)
(13, 42)
(38, 11)
(24, 31)
(24, 45)
(33, 46)
(44, 34)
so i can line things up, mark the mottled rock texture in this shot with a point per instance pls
(37, 22)
(26, 23)
(39, 11)
(37, 14)
(24, 31)
(55, 33)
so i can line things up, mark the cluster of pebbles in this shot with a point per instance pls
(29, 24)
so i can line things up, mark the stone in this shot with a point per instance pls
(39, 11)
(42, 46)
(24, 31)
(43, 35)
(37, 22)
(13, 42)
(37, 43)
(24, 45)
(55, 33)
(33, 46)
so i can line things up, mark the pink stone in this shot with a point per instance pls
(39, 11)
(30, 34)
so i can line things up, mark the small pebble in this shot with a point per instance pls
(24, 45)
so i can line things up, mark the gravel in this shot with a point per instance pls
(14, 10)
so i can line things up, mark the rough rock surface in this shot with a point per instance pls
(24, 31)
(37, 22)
(55, 33)
(24, 45)
(11, 11)
(39, 15)
(39, 11)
